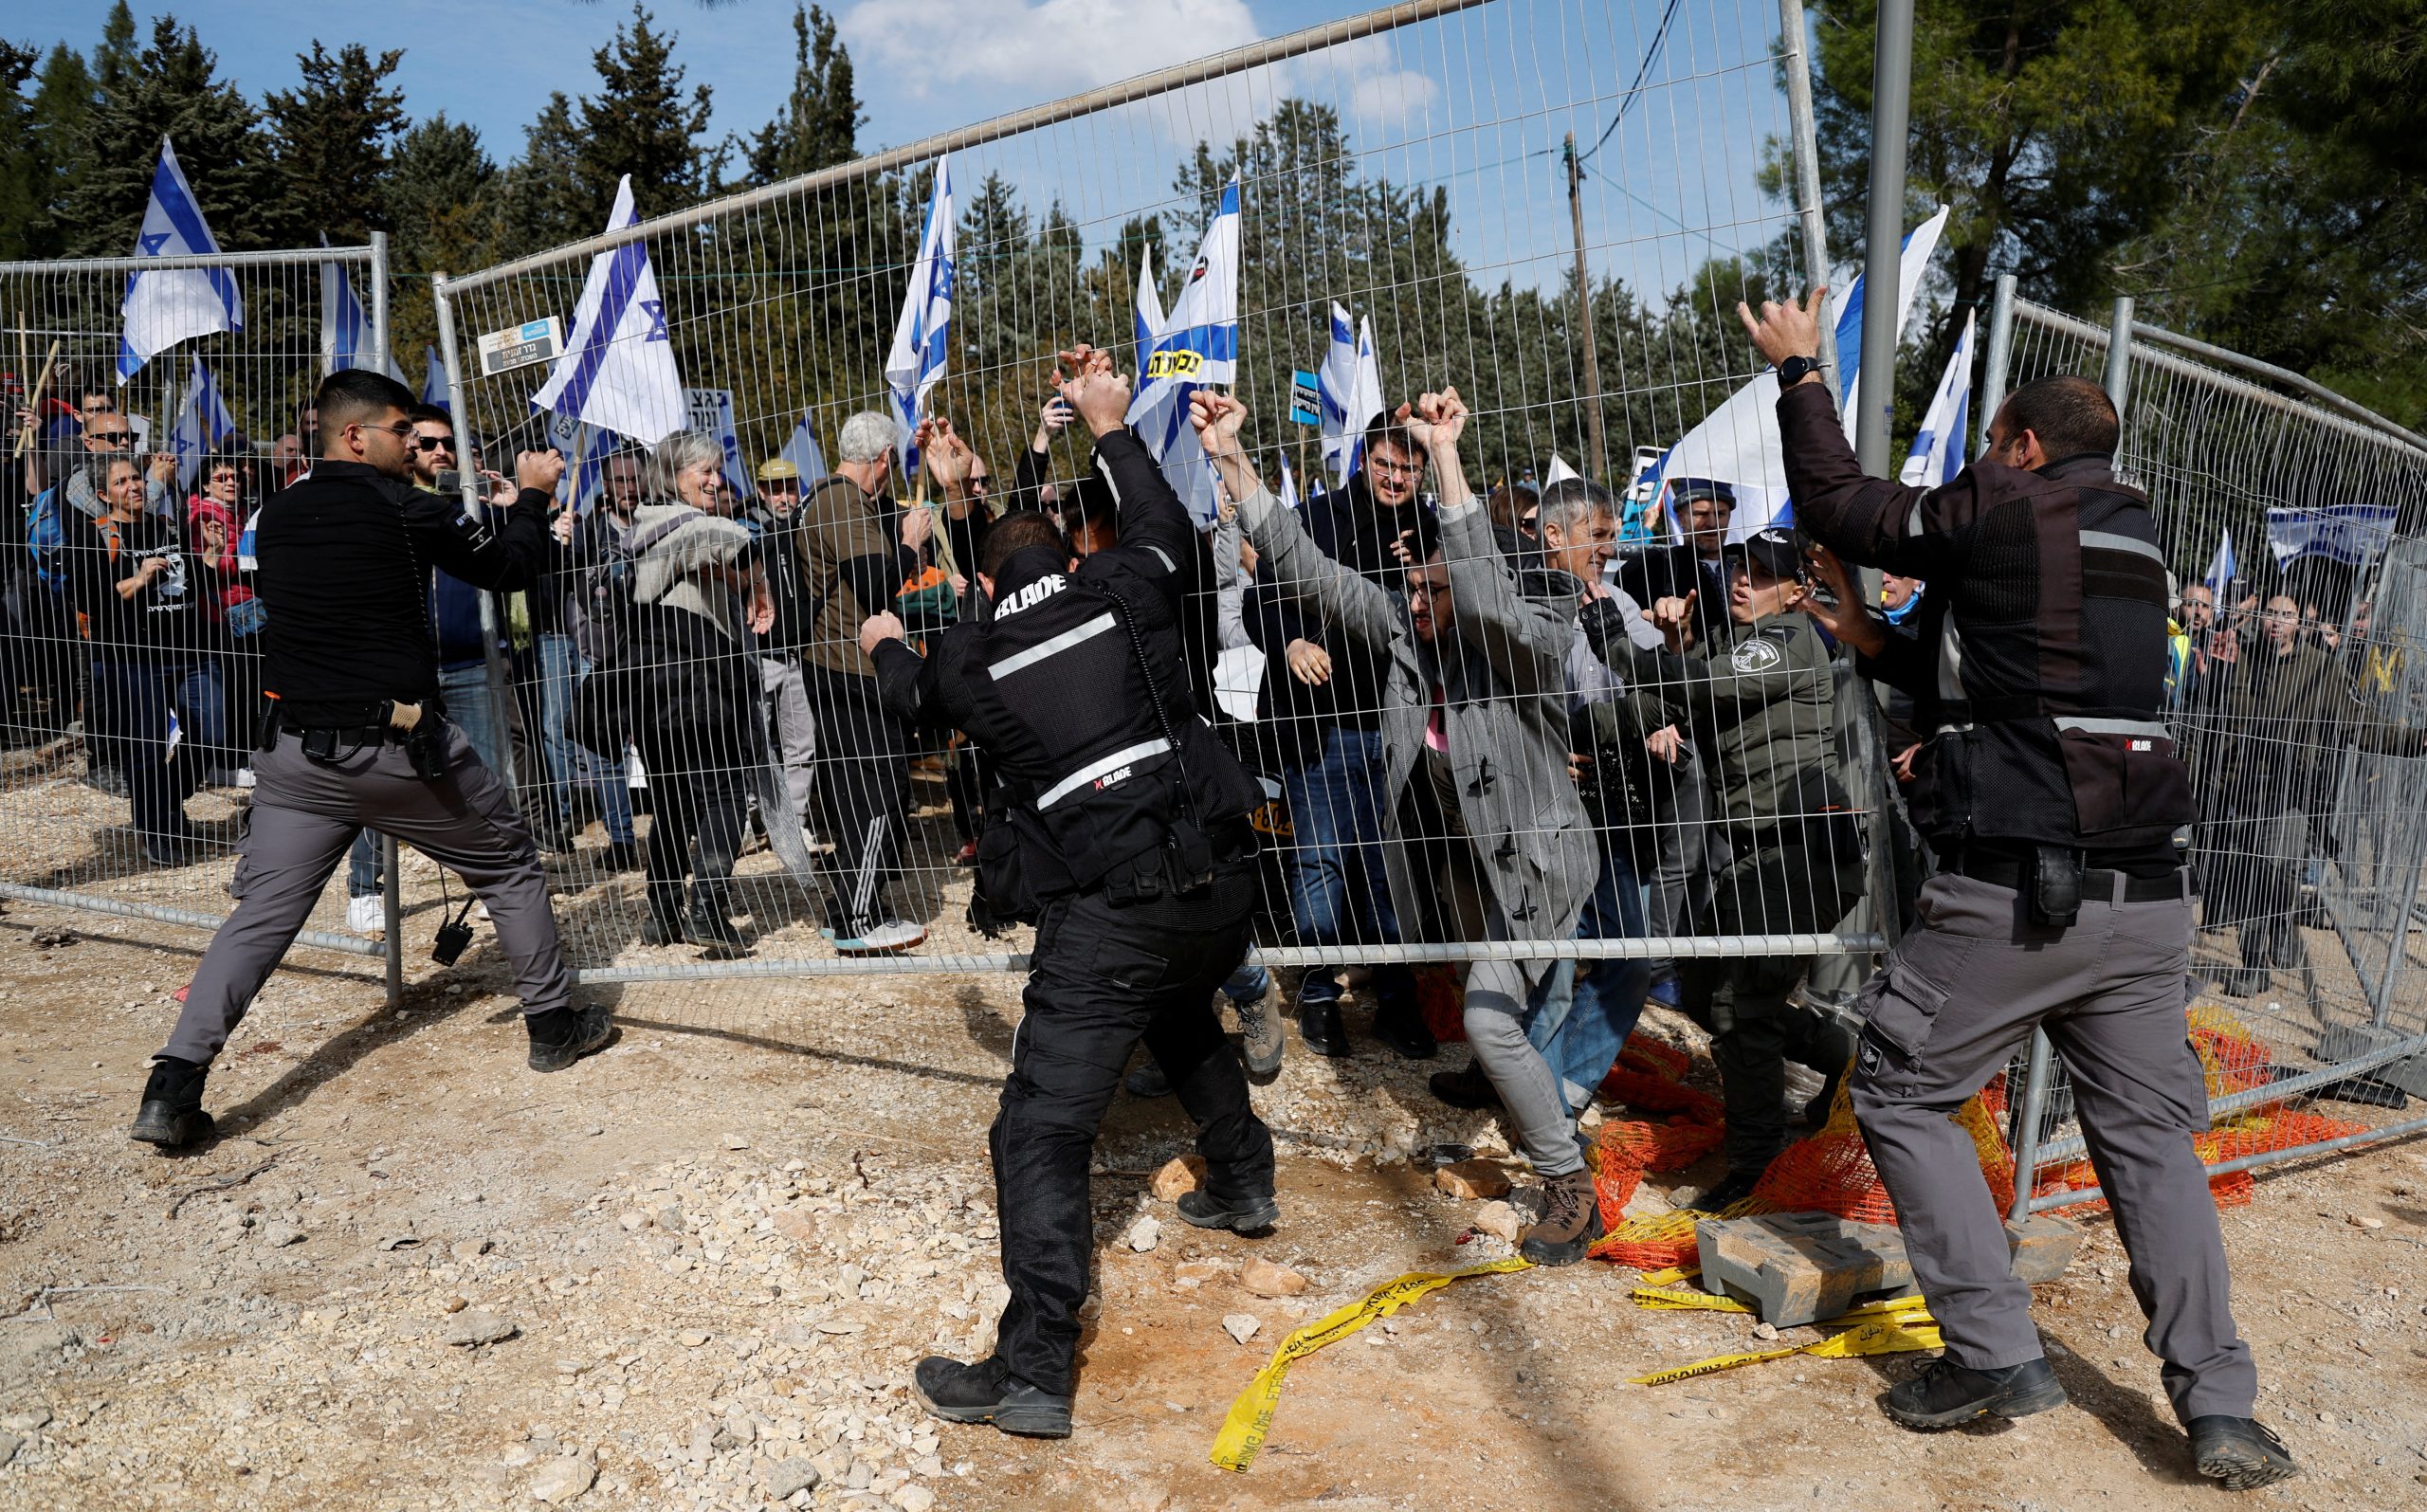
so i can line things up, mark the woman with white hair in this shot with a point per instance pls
(697, 586)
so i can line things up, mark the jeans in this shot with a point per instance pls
(1248, 983)
(465, 691)
(561, 669)
(1580, 1033)
(132, 702)
(1338, 888)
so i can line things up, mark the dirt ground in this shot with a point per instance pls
(720, 1245)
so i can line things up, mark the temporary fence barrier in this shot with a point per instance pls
(1428, 181)
(128, 720)
(2296, 523)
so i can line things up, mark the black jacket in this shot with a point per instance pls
(1052, 686)
(345, 555)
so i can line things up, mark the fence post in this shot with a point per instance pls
(1999, 358)
(379, 344)
(1804, 132)
(2119, 356)
(492, 621)
(1882, 253)
(2034, 1107)
(392, 909)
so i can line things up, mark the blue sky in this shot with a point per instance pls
(1477, 102)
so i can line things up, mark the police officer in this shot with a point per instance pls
(356, 737)
(1757, 689)
(1128, 822)
(2052, 793)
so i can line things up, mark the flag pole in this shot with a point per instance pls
(33, 400)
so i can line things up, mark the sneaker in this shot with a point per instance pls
(1403, 1028)
(1238, 1215)
(1571, 1221)
(709, 929)
(245, 778)
(988, 1393)
(2239, 1452)
(1147, 1080)
(169, 852)
(591, 1029)
(1318, 1025)
(1261, 1038)
(171, 1114)
(888, 938)
(367, 916)
(1468, 1088)
(1946, 1395)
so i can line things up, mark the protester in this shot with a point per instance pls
(231, 613)
(1473, 732)
(2281, 716)
(773, 517)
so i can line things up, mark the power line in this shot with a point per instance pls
(1651, 56)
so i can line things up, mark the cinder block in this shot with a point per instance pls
(1800, 1267)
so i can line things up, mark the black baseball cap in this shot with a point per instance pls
(1778, 549)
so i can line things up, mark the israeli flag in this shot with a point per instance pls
(802, 451)
(433, 380)
(1938, 451)
(1350, 382)
(2354, 534)
(202, 423)
(1148, 316)
(1912, 267)
(1199, 346)
(1560, 471)
(2222, 569)
(618, 372)
(174, 305)
(922, 335)
(345, 328)
(1288, 487)
(586, 449)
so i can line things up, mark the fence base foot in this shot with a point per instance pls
(2345, 1044)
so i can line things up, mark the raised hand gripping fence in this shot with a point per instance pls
(128, 723)
(2296, 525)
(1428, 179)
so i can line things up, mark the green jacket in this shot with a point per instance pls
(1760, 704)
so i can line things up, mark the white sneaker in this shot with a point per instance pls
(245, 776)
(367, 916)
(882, 939)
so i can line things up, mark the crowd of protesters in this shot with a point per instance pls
(1480, 716)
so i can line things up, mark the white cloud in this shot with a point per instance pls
(1046, 49)
(1365, 75)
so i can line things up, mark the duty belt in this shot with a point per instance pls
(2098, 886)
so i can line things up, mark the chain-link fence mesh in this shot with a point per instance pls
(2297, 535)
(132, 644)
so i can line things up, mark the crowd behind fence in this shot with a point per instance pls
(1432, 711)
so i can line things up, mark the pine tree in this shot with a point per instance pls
(640, 123)
(171, 90)
(538, 203)
(820, 123)
(21, 173)
(114, 61)
(331, 139)
(64, 99)
(442, 197)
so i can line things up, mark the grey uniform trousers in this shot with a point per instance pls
(1958, 997)
(305, 816)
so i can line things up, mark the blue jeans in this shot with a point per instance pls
(561, 669)
(1338, 888)
(1580, 1032)
(132, 701)
(1248, 983)
(465, 690)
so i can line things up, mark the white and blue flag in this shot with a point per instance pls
(1350, 382)
(1147, 317)
(803, 452)
(1197, 346)
(2222, 569)
(1288, 487)
(433, 379)
(202, 423)
(1938, 451)
(345, 328)
(586, 449)
(921, 337)
(174, 305)
(617, 373)
(2354, 534)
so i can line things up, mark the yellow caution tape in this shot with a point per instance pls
(1890, 1333)
(1671, 1276)
(1680, 1298)
(1250, 1417)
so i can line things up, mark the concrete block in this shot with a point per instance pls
(1800, 1267)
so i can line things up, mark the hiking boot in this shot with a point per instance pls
(1403, 1028)
(709, 929)
(1318, 1025)
(2239, 1452)
(1732, 1189)
(1571, 1221)
(582, 1032)
(879, 938)
(988, 1393)
(171, 1114)
(662, 929)
(1238, 1215)
(1468, 1088)
(1261, 1037)
(1945, 1393)
(1147, 1080)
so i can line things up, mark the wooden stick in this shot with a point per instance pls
(33, 402)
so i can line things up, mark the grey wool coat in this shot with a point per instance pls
(1501, 665)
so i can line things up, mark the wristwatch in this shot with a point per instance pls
(1796, 368)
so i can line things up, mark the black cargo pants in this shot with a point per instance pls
(1100, 978)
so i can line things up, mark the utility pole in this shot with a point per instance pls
(1598, 464)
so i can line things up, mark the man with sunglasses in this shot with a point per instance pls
(358, 736)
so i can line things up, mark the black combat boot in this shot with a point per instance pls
(563, 1035)
(171, 1115)
(2239, 1452)
(1241, 1214)
(988, 1393)
(1945, 1393)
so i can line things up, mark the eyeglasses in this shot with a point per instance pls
(402, 429)
(446, 444)
(1395, 469)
